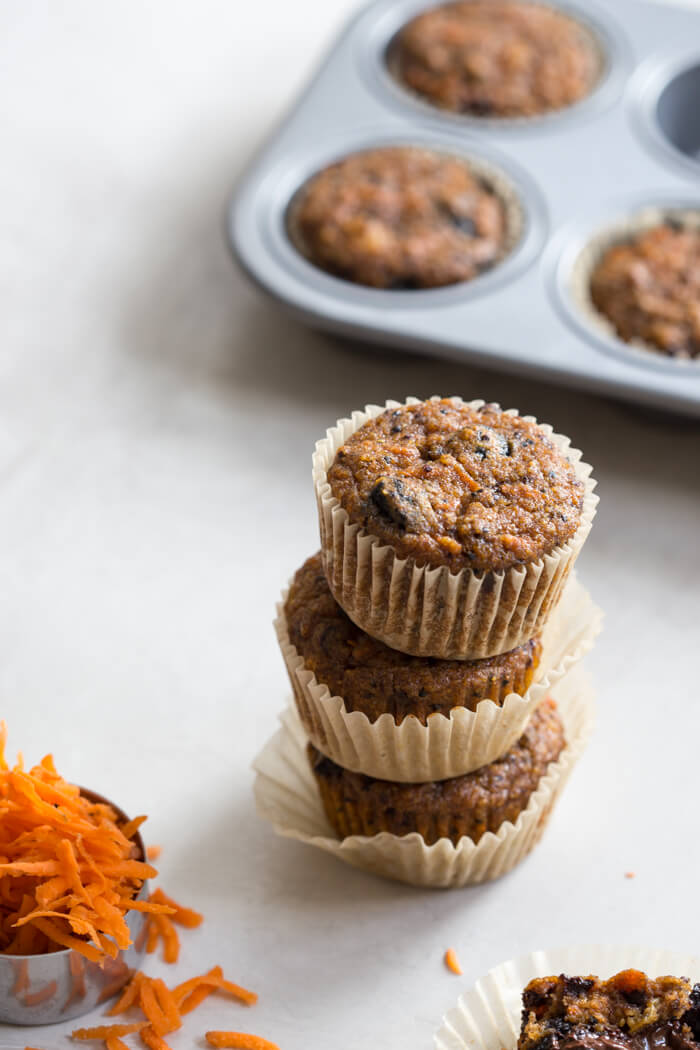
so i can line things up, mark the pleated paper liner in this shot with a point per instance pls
(286, 795)
(447, 746)
(433, 612)
(487, 1017)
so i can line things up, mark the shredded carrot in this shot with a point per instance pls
(128, 997)
(152, 1040)
(153, 852)
(113, 1042)
(239, 1041)
(182, 916)
(452, 963)
(216, 981)
(167, 1004)
(151, 1007)
(104, 1031)
(168, 934)
(69, 870)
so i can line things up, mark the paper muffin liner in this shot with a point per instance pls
(448, 746)
(287, 795)
(487, 1017)
(431, 611)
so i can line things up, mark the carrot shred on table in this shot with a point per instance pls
(452, 963)
(182, 916)
(113, 1042)
(151, 1007)
(104, 1031)
(239, 1041)
(69, 870)
(152, 1040)
(129, 996)
(167, 1003)
(217, 982)
(169, 937)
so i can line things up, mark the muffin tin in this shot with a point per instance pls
(631, 145)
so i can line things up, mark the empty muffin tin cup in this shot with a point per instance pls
(677, 112)
(59, 986)
(635, 222)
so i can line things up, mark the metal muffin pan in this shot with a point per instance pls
(633, 142)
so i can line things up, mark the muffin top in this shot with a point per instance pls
(374, 679)
(446, 484)
(648, 287)
(468, 805)
(400, 217)
(499, 58)
(630, 1011)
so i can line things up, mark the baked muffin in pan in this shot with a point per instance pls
(468, 806)
(496, 58)
(647, 286)
(402, 217)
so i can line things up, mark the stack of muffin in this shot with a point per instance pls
(423, 639)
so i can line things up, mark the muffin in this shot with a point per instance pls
(629, 1010)
(496, 58)
(468, 806)
(648, 288)
(498, 505)
(377, 680)
(401, 218)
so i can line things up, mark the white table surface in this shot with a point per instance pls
(156, 428)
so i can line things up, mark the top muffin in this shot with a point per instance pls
(500, 58)
(444, 483)
(399, 217)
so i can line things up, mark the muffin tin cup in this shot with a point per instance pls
(577, 266)
(433, 612)
(287, 795)
(446, 746)
(487, 1016)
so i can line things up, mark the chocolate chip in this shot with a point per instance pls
(577, 985)
(403, 502)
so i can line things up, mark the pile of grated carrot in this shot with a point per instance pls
(69, 874)
(69, 869)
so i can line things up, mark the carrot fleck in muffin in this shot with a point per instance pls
(399, 218)
(497, 58)
(469, 805)
(374, 679)
(648, 287)
(628, 1012)
(448, 484)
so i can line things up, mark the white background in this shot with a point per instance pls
(156, 426)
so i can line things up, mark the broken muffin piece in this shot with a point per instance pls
(630, 1011)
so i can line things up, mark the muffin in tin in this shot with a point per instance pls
(447, 484)
(647, 286)
(469, 805)
(496, 58)
(374, 679)
(401, 217)
(630, 1010)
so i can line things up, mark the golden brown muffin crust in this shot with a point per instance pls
(630, 1011)
(374, 679)
(447, 484)
(469, 805)
(497, 58)
(648, 287)
(400, 217)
